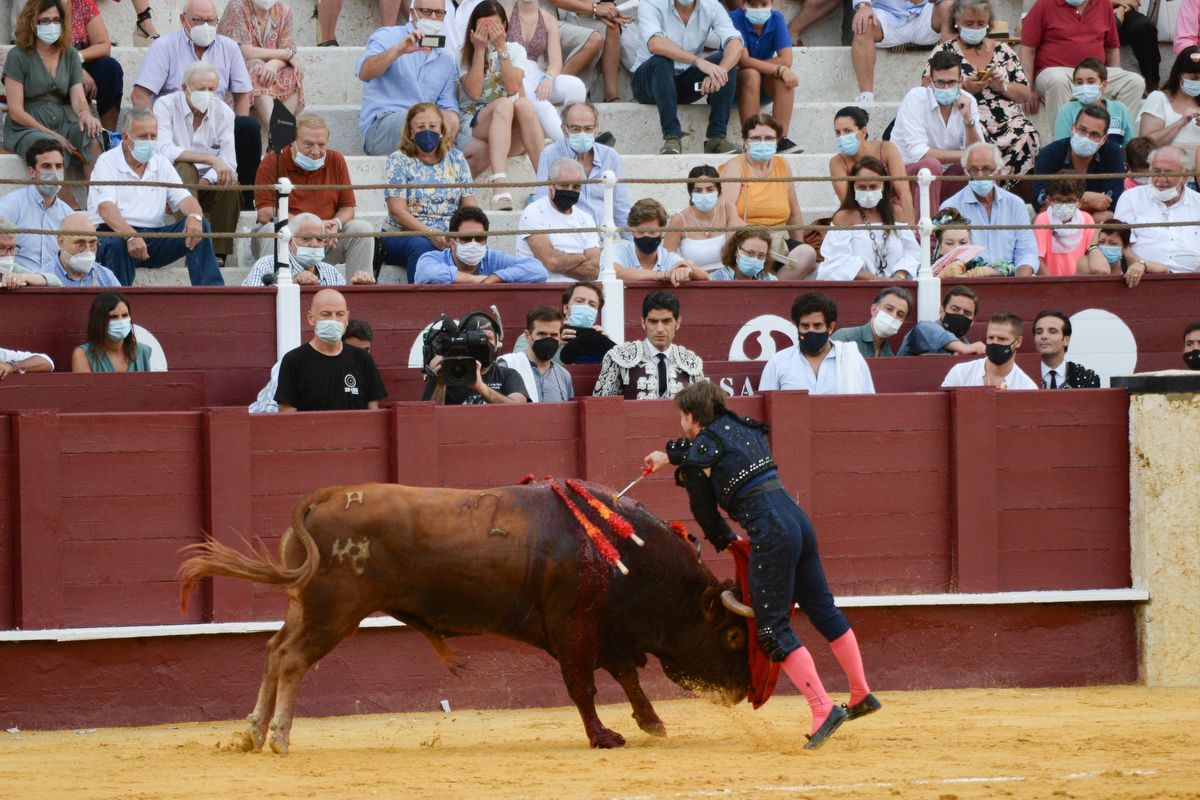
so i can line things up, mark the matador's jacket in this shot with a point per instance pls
(631, 370)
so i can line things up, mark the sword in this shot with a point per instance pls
(634, 482)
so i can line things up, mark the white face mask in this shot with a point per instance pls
(6, 263)
(1064, 212)
(265, 5)
(884, 324)
(868, 198)
(1166, 195)
(429, 27)
(471, 253)
(200, 99)
(82, 262)
(203, 35)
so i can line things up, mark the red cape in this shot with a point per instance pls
(763, 671)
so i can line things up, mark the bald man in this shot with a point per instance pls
(76, 263)
(327, 374)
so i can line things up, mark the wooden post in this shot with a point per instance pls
(413, 433)
(602, 440)
(976, 536)
(227, 514)
(39, 540)
(790, 416)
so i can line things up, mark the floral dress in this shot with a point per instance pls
(493, 88)
(434, 207)
(240, 23)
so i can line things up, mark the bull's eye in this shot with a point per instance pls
(735, 638)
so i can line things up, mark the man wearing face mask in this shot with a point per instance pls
(468, 259)
(1174, 248)
(999, 368)
(195, 133)
(580, 126)
(76, 264)
(1191, 346)
(495, 383)
(140, 209)
(358, 334)
(981, 202)
(37, 207)
(12, 274)
(306, 248)
(327, 374)
(545, 381)
(570, 254)
(888, 312)
(583, 339)
(645, 258)
(1087, 150)
(656, 367)
(817, 364)
(949, 334)
(1051, 337)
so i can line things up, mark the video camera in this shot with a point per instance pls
(460, 344)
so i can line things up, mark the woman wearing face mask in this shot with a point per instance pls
(1172, 116)
(992, 72)
(536, 29)
(852, 143)
(744, 257)
(854, 251)
(645, 258)
(38, 73)
(263, 31)
(111, 345)
(708, 209)
(426, 155)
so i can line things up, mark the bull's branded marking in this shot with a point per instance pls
(353, 497)
(356, 552)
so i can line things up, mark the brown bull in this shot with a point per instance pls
(508, 561)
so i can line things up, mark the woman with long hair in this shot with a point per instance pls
(854, 142)
(852, 250)
(1172, 115)
(111, 345)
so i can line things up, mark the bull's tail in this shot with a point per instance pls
(211, 557)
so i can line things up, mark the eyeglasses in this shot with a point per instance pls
(1095, 136)
(432, 13)
(581, 129)
(937, 84)
(980, 172)
(760, 139)
(203, 21)
(760, 256)
(47, 20)
(481, 239)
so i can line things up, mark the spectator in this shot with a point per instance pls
(583, 340)
(571, 254)
(328, 11)
(1172, 116)
(887, 24)
(503, 121)
(142, 209)
(111, 345)
(671, 67)
(711, 210)
(545, 381)
(306, 257)
(310, 161)
(999, 367)
(744, 257)
(949, 333)
(1091, 82)
(468, 259)
(263, 32)
(812, 11)
(1051, 337)
(1174, 248)
(588, 33)
(853, 142)
(197, 40)
(655, 367)
(196, 135)
(1087, 150)
(1107, 255)
(425, 155)
(103, 77)
(1187, 25)
(645, 258)
(1064, 251)
(38, 206)
(18, 362)
(495, 383)
(765, 75)
(1057, 35)
(768, 204)
(800, 367)
(41, 106)
(12, 274)
(358, 334)
(1137, 161)
(1191, 346)
(536, 29)
(580, 124)
(1140, 34)
(76, 263)
(992, 74)
(982, 202)
(935, 124)
(854, 251)
(891, 307)
(397, 74)
(326, 373)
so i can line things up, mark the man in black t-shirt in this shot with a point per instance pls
(326, 374)
(496, 384)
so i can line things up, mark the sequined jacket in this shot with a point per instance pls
(630, 370)
(728, 453)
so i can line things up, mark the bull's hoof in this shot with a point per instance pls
(607, 740)
(243, 742)
(653, 726)
(279, 744)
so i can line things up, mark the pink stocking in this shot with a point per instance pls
(845, 649)
(802, 671)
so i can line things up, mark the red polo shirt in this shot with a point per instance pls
(1064, 36)
(322, 203)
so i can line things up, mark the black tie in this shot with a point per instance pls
(662, 375)
(1053, 379)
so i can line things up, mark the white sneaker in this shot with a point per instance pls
(865, 97)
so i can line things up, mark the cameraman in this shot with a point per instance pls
(494, 382)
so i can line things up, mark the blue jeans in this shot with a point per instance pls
(404, 252)
(655, 82)
(201, 261)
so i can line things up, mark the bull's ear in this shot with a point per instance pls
(710, 603)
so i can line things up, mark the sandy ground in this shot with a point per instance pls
(1109, 742)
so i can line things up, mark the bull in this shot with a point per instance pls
(509, 561)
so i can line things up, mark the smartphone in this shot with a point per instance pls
(983, 75)
(696, 87)
(430, 40)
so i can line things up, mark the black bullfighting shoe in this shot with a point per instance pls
(831, 724)
(868, 705)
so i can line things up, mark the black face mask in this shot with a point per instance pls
(544, 349)
(1192, 359)
(813, 342)
(564, 199)
(958, 324)
(999, 354)
(647, 244)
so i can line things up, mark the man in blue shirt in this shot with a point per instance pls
(38, 207)
(1086, 150)
(949, 334)
(469, 260)
(580, 123)
(765, 75)
(397, 73)
(75, 264)
(982, 202)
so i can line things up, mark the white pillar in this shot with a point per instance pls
(929, 288)
(613, 315)
(287, 293)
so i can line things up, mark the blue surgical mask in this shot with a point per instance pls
(972, 36)
(1083, 146)
(1086, 93)
(758, 16)
(1111, 252)
(308, 164)
(848, 145)
(118, 329)
(581, 316)
(329, 331)
(309, 256)
(761, 151)
(581, 142)
(1075, 2)
(704, 201)
(981, 186)
(50, 32)
(946, 97)
(686, 2)
(144, 149)
(750, 266)
(1190, 88)
(426, 141)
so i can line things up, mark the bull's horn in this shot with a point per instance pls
(736, 606)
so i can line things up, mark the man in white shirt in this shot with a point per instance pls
(571, 255)
(18, 362)
(887, 24)
(142, 209)
(817, 364)
(999, 368)
(37, 207)
(1174, 248)
(1051, 337)
(195, 133)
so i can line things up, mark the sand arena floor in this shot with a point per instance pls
(1109, 742)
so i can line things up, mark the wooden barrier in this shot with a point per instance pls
(178, 390)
